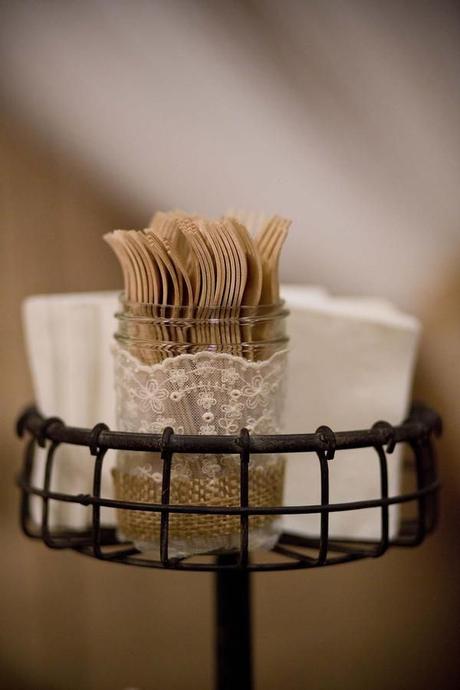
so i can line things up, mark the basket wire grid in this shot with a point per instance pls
(291, 552)
(417, 432)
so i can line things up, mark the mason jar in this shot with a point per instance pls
(210, 370)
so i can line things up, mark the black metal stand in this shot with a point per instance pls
(233, 615)
(233, 618)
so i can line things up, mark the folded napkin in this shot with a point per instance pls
(68, 340)
(350, 364)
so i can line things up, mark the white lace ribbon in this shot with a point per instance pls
(200, 393)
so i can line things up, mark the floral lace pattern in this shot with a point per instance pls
(201, 393)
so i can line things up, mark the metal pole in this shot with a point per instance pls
(233, 618)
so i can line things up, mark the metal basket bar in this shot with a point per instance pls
(166, 456)
(421, 421)
(385, 517)
(87, 500)
(245, 456)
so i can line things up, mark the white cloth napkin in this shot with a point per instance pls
(350, 365)
(68, 341)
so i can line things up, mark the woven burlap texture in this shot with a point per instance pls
(265, 490)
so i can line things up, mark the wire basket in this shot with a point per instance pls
(292, 551)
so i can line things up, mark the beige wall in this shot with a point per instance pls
(70, 623)
(340, 115)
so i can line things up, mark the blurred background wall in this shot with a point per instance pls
(343, 116)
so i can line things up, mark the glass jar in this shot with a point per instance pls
(200, 371)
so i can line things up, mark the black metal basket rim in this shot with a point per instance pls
(421, 421)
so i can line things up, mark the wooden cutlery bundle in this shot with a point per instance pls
(185, 260)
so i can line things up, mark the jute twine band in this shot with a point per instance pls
(265, 489)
